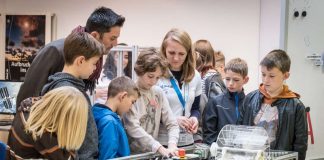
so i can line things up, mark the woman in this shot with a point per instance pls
(110, 71)
(53, 128)
(182, 86)
(143, 121)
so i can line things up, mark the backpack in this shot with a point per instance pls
(214, 86)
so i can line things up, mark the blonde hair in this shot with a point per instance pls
(63, 111)
(183, 38)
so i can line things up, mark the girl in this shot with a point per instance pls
(142, 122)
(54, 128)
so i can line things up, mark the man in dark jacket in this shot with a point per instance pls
(103, 24)
(276, 108)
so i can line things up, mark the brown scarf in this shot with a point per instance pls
(286, 93)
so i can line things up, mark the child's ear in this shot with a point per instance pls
(286, 75)
(246, 79)
(79, 60)
(95, 34)
(123, 95)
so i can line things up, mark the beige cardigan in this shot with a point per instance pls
(142, 122)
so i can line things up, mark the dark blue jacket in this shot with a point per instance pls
(113, 140)
(220, 111)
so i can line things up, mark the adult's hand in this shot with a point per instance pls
(184, 122)
(193, 125)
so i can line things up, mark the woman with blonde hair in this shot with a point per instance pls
(53, 127)
(182, 86)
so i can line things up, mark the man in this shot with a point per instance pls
(103, 24)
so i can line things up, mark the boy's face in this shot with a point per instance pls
(235, 81)
(273, 79)
(126, 102)
(149, 79)
(87, 67)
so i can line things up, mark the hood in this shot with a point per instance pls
(286, 93)
(100, 111)
(63, 79)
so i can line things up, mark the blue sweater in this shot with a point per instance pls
(113, 141)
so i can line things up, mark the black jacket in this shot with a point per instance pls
(220, 111)
(292, 128)
(89, 147)
(48, 61)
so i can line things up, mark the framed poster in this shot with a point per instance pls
(24, 36)
(8, 95)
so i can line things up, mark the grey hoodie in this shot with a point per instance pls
(89, 148)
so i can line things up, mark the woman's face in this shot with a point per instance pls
(175, 54)
(125, 59)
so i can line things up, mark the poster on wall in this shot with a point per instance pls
(24, 36)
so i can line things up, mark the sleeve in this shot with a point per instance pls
(301, 132)
(210, 119)
(195, 109)
(47, 145)
(195, 106)
(244, 115)
(169, 120)
(108, 140)
(47, 62)
(135, 131)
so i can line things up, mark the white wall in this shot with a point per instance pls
(269, 26)
(305, 36)
(231, 25)
(2, 44)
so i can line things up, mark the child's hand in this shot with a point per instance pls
(164, 152)
(184, 122)
(173, 149)
(193, 125)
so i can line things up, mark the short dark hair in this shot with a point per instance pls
(148, 61)
(81, 44)
(122, 84)
(277, 58)
(237, 65)
(103, 19)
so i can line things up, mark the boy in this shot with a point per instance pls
(113, 142)
(224, 109)
(276, 108)
(81, 53)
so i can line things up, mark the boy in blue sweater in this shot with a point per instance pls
(224, 109)
(113, 142)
